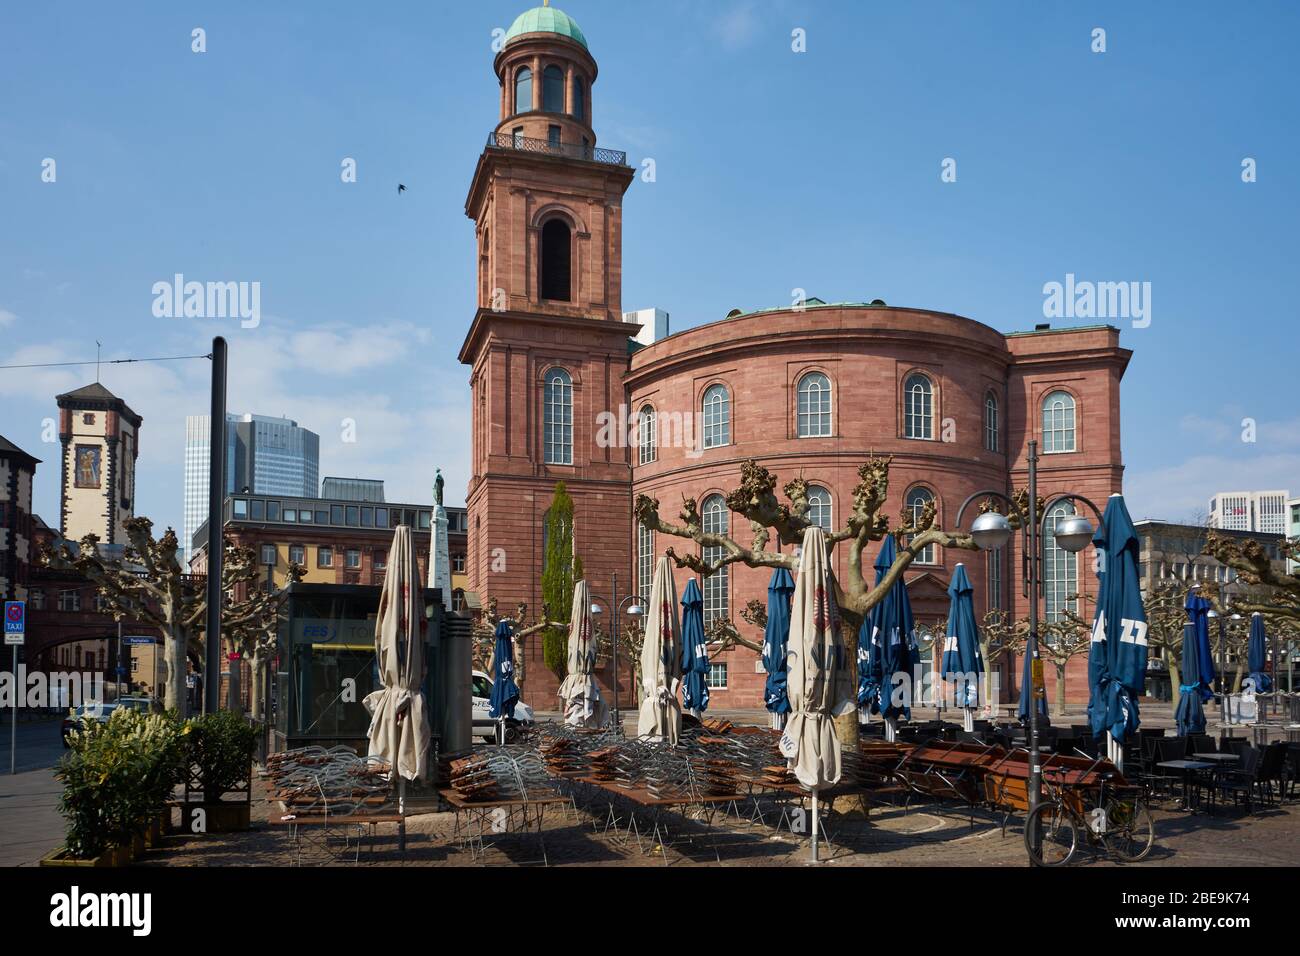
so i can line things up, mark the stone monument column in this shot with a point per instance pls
(439, 554)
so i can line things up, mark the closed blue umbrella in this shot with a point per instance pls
(776, 636)
(695, 656)
(1117, 658)
(887, 647)
(1190, 716)
(1257, 655)
(962, 663)
(505, 692)
(1198, 611)
(1026, 685)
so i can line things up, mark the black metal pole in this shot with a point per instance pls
(1035, 767)
(216, 549)
(614, 608)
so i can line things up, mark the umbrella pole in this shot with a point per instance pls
(891, 730)
(401, 812)
(1115, 751)
(814, 827)
(968, 719)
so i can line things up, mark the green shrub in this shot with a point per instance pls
(220, 746)
(116, 776)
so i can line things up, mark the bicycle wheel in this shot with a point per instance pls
(1132, 831)
(1057, 836)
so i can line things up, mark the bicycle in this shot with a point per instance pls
(1119, 820)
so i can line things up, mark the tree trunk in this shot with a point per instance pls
(259, 683)
(1060, 689)
(174, 645)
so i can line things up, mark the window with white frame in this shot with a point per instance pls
(297, 554)
(917, 499)
(717, 416)
(918, 407)
(268, 555)
(991, 422)
(1060, 567)
(69, 600)
(645, 562)
(646, 438)
(717, 679)
(814, 406)
(819, 507)
(557, 418)
(715, 519)
(1058, 423)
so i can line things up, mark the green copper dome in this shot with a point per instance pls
(546, 20)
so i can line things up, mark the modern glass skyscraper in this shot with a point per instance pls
(264, 455)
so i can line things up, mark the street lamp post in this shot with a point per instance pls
(992, 531)
(633, 610)
(1224, 710)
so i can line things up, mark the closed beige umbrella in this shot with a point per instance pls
(583, 705)
(819, 682)
(661, 660)
(399, 723)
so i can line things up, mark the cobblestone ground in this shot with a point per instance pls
(926, 834)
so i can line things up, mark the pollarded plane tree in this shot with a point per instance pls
(147, 583)
(756, 501)
(484, 636)
(1275, 591)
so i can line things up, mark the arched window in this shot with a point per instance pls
(579, 99)
(553, 90)
(819, 507)
(645, 561)
(1060, 567)
(717, 417)
(714, 519)
(917, 499)
(557, 418)
(918, 407)
(646, 438)
(1058, 423)
(524, 90)
(555, 261)
(991, 422)
(814, 405)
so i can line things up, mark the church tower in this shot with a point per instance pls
(547, 348)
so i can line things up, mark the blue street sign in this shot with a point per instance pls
(139, 640)
(15, 621)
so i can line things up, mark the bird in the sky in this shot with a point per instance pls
(400, 189)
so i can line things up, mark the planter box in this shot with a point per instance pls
(113, 856)
(220, 817)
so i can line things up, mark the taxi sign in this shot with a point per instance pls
(15, 622)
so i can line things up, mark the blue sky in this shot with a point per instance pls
(775, 170)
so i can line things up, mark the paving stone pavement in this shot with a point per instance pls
(925, 834)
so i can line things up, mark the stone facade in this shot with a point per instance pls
(867, 353)
(17, 551)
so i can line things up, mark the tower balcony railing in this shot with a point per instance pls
(527, 144)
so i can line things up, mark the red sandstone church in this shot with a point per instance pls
(808, 391)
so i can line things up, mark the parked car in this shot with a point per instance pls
(101, 712)
(484, 726)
